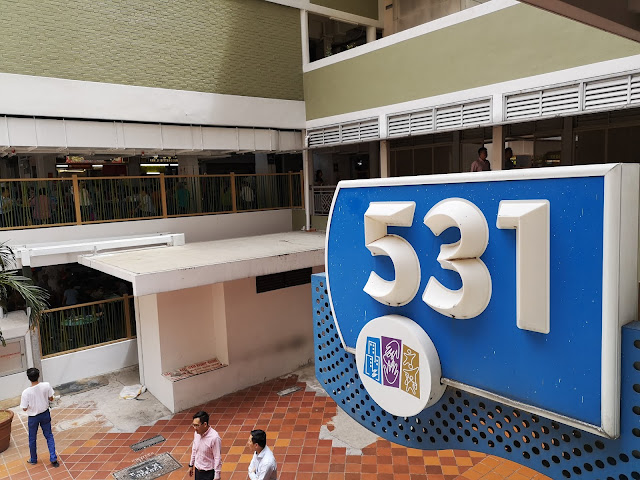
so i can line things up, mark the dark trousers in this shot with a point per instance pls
(205, 474)
(44, 421)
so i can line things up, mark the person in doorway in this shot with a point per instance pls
(35, 401)
(319, 181)
(263, 465)
(510, 160)
(481, 164)
(206, 461)
(41, 207)
(70, 296)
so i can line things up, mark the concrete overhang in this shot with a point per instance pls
(165, 269)
(620, 17)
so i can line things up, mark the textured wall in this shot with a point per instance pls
(238, 47)
(516, 42)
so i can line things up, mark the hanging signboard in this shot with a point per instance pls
(513, 285)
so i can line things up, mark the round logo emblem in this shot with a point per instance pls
(399, 365)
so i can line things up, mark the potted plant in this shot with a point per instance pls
(35, 298)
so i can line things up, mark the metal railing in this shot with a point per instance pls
(87, 325)
(322, 198)
(32, 203)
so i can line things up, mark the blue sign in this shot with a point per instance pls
(550, 340)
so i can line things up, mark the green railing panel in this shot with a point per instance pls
(26, 203)
(86, 325)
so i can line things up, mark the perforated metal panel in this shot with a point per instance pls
(464, 421)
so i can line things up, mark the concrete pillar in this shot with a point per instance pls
(133, 168)
(374, 160)
(262, 163)
(566, 154)
(307, 170)
(188, 165)
(385, 166)
(497, 144)
(45, 165)
(388, 20)
(456, 160)
(304, 32)
(371, 34)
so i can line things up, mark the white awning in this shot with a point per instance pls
(55, 253)
(164, 269)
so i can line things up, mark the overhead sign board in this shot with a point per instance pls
(520, 282)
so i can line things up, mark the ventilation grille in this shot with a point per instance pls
(441, 118)
(344, 133)
(606, 94)
(560, 100)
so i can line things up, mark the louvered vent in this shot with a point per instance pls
(634, 94)
(560, 100)
(606, 93)
(421, 122)
(399, 125)
(414, 123)
(350, 132)
(476, 113)
(331, 135)
(316, 138)
(448, 117)
(369, 130)
(523, 105)
(345, 133)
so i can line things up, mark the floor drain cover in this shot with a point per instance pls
(289, 390)
(149, 469)
(136, 447)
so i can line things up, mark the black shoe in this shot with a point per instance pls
(55, 464)
(31, 463)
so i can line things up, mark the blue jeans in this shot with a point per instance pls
(44, 421)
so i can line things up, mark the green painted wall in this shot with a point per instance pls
(512, 43)
(239, 47)
(364, 8)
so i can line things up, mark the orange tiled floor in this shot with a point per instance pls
(292, 423)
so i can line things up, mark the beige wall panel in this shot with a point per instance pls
(509, 44)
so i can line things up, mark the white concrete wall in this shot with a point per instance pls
(187, 327)
(268, 335)
(149, 343)
(89, 363)
(15, 325)
(196, 228)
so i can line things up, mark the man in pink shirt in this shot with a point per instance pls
(205, 451)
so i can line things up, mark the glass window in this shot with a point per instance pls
(590, 147)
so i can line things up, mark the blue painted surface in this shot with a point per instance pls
(489, 351)
(468, 422)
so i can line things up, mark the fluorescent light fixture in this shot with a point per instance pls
(64, 165)
(173, 164)
(97, 166)
(154, 164)
(153, 173)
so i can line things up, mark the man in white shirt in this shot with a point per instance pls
(263, 465)
(35, 401)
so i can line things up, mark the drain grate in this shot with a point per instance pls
(136, 447)
(149, 469)
(288, 391)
